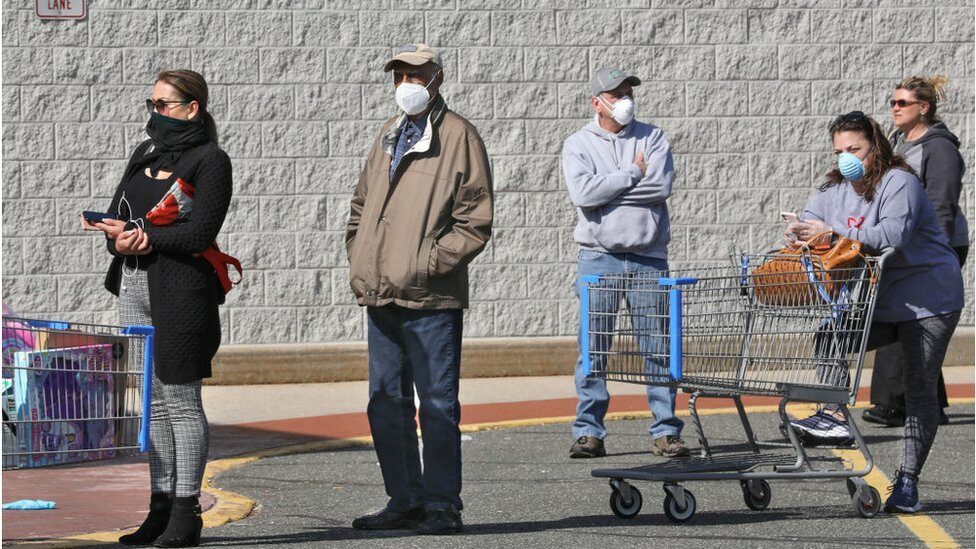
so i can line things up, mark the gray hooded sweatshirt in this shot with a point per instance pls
(936, 159)
(922, 278)
(620, 209)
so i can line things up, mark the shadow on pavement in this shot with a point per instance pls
(585, 525)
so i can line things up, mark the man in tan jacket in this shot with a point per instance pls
(422, 210)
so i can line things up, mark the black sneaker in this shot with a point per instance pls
(390, 519)
(440, 522)
(884, 415)
(587, 447)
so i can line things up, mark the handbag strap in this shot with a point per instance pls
(809, 243)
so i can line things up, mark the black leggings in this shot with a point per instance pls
(887, 388)
(924, 342)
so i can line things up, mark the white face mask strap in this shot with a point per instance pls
(432, 78)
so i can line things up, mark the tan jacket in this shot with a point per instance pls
(410, 239)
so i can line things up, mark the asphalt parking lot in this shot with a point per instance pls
(521, 490)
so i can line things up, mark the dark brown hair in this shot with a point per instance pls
(192, 87)
(880, 158)
(930, 90)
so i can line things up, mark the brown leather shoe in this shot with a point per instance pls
(669, 446)
(587, 447)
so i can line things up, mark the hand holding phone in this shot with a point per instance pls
(96, 217)
(107, 223)
(87, 225)
(790, 218)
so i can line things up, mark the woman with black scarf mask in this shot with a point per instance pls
(161, 280)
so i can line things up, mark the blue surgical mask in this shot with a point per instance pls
(850, 166)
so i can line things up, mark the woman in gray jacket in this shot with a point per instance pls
(933, 152)
(879, 202)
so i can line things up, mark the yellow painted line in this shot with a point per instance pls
(230, 506)
(919, 524)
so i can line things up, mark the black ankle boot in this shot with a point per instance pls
(184, 525)
(159, 509)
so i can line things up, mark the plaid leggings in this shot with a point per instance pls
(178, 433)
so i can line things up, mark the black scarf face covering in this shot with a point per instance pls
(170, 137)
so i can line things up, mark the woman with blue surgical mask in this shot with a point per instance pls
(874, 197)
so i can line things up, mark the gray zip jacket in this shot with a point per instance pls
(936, 159)
(620, 209)
(922, 278)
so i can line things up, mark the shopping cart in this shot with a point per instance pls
(74, 392)
(727, 331)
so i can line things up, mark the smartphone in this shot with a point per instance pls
(789, 217)
(95, 217)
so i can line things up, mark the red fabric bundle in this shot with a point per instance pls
(176, 205)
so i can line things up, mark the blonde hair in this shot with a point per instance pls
(930, 90)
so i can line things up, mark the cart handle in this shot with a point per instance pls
(584, 290)
(147, 377)
(674, 315)
(50, 324)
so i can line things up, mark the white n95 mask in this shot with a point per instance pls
(413, 98)
(622, 110)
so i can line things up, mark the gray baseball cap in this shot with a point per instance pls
(609, 78)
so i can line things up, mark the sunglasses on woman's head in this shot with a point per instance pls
(855, 117)
(901, 103)
(161, 105)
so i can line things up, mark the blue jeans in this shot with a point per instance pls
(419, 348)
(591, 390)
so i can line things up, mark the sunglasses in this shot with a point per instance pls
(161, 105)
(901, 103)
(856, 117)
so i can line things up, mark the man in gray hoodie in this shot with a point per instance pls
(619, 173)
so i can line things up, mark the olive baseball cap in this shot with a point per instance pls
(609, 78)
(413, 54)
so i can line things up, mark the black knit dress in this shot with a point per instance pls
(184, 291)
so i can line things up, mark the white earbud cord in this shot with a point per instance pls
(139, 223)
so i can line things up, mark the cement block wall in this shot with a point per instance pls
(744, 90)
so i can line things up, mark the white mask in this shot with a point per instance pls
(622, 110)
(413, 98)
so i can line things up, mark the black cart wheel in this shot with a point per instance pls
(626, 509)
(678, 514)
(867, 510)
(753, 501)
